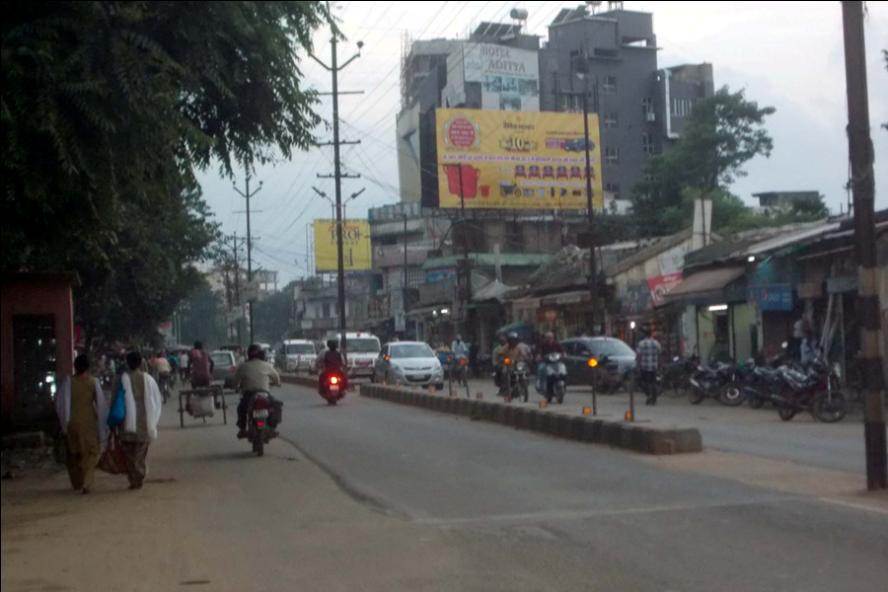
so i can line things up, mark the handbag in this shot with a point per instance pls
(113, 459)
(117, 413)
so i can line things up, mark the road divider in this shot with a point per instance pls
(644, 438)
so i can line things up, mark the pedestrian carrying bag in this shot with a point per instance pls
(117, 413)
(113, 459)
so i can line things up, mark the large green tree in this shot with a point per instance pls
(107, 110)
(723, 133)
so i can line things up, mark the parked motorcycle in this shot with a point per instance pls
(260, 417)
(715, 382)
(556, 378)
(333, 386)
(677, 374)
(815, 390)
(758, 384)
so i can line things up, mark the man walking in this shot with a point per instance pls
(81, 409)
(139, 429)
(648, 360)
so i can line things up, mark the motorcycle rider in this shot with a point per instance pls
(460, 350)
(549, 346)
(516, 351)
(331, 363)
(253, 376)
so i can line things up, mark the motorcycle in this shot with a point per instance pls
(815, 391)
(333, 385)
(555, 373)
(757, 384)
(677, 374)
(514, 380)
(715, 382)
(259, 419)
(166, 391)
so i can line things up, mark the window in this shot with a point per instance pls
(609, 84)
(647, 144)
(571, 103)
(326, 310)
(647, 109)
(613, 188)
(612, 155)
(412, 350)
(612, 120)
(681, 107)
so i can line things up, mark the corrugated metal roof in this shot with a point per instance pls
(705, 281)
(489, 260)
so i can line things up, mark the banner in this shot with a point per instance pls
(509, 77)
(516, 160)
(355, 245)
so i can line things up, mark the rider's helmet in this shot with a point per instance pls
(512, 337)
(332, 345)
(254, 352)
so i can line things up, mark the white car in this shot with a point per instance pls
(408, 363)
(299, 355)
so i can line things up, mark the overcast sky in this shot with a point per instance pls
(785, 54)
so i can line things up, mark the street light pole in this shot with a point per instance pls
(860, 148)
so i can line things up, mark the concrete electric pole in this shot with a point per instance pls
(246, 194)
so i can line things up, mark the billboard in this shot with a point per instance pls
(355, 245)
(509, 77)
(516, 160)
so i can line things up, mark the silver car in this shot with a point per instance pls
(224, 367)
(408, 363)
(615, 362)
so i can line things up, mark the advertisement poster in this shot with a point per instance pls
(661, 285)
(355, 245)
(516, 160)
(509, 77)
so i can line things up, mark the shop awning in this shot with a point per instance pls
(565, 298)
(705, 284)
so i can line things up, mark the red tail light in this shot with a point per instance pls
(334, 380)
(260, 423)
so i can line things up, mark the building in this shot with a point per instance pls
(774, 202)
(315, 304)
(611, 57)
(38, 346)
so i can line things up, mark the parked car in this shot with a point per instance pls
(615, 362)
(298, 355)
(409, 363)
(224, 367)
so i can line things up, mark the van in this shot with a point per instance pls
(362, 349)
(299, 355)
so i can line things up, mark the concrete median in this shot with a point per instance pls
(647, 439)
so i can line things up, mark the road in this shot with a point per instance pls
(371, 495)
(759, 432)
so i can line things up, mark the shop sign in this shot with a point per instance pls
(772, 297)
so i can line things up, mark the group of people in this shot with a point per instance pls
(83, 412)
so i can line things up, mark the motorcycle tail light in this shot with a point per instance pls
(334, 380)
(260, 424)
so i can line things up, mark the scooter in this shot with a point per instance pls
(333, 385)
(556, 378)
(259, 418)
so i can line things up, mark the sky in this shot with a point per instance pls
(788, 55)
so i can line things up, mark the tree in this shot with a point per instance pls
(723, 133)
(109, 107)
(271, 315)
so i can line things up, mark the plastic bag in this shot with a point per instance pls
(117, 412)
(113, 459)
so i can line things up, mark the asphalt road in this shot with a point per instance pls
(370, 495)
(758, 432)
(588, 509)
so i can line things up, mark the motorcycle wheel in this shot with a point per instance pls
(331, 402)
(756, 403)
(829, 411)
(731, 396)
(524, 393)
(786, 413)
(695, 397)
(559, 394)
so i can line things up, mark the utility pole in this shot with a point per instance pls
(334, 69)
(860, 148)
(404, 281)
(246, 194)
(465, 272)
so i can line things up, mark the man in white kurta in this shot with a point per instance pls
(139, 429)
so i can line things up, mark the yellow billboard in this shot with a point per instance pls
(516, 159)
(355, 245)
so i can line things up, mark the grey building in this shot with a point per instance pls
(611, 57)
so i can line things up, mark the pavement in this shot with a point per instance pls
(370, 495)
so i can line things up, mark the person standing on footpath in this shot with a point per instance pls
(139, 429)
(81, 408)
(201, 366)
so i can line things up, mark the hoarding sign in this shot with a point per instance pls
(516, 160)
(355, 245)
(661, 285)
(509, 77)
